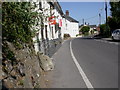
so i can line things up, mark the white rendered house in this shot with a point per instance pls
(48, 32)
(71, 25)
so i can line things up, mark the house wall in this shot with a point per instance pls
(71, 28)
(39, 43)
(74, 29)
(63, 28)
(46, 44)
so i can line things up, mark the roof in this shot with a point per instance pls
(70, 19)
(56, 5)
(92, 26)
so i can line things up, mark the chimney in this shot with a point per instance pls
(67, 12)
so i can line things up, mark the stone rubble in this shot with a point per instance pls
(25, 71)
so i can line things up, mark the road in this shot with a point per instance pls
(85, 63)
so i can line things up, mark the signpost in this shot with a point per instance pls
(60, 23)
(52, 20)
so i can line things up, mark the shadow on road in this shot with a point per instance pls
(99, 38)
(90, 38)
(113, 40)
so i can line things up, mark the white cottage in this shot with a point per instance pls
(52, 26)
(71, 25)
(48, 31)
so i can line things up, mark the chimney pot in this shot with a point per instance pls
(67, 12)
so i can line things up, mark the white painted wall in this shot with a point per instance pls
(71, 28)
(63, 28)
(67, 26)
(46, 12)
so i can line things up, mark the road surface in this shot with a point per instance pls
(85, 63)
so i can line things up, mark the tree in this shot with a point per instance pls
(17, 20)
(103, 31)
(115, 12)
(85, 29)
(112, 23)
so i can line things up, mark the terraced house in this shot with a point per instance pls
(52, 26)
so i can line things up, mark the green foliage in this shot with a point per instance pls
(17, 21)
(7, 53)
(21, 82)
(115, 12)
(92, 31)
(66, 36)
(85, 30)
(115, 9)
(112, 23)
(77, 35)
(104, 31)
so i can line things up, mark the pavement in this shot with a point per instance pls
(54, 48)
(65, 72)
(97, 58)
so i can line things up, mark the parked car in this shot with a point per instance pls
(116, 34)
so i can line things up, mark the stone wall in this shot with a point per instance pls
(25, 68)
(22, 71)
(54, 45)
(49, 47)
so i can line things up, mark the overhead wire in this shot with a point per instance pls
(96, 14)
(100, 11)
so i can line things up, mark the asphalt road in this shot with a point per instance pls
(97, 58)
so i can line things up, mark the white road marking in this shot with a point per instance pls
(86, 80)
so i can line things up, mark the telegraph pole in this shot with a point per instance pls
(99, 22)
(99, 19)
(83, 22)
(106, 12)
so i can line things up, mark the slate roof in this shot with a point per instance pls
(57, 6)
(70, 19)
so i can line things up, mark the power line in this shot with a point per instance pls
(91, 17)
(97, 15)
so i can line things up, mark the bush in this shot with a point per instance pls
(66, 36)
(103, 31)
(17, 21)
(77, 35)
(85, 29)
(86, 34)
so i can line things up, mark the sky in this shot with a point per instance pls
(89, 11)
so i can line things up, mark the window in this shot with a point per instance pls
(51, 10)
(56, 27)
